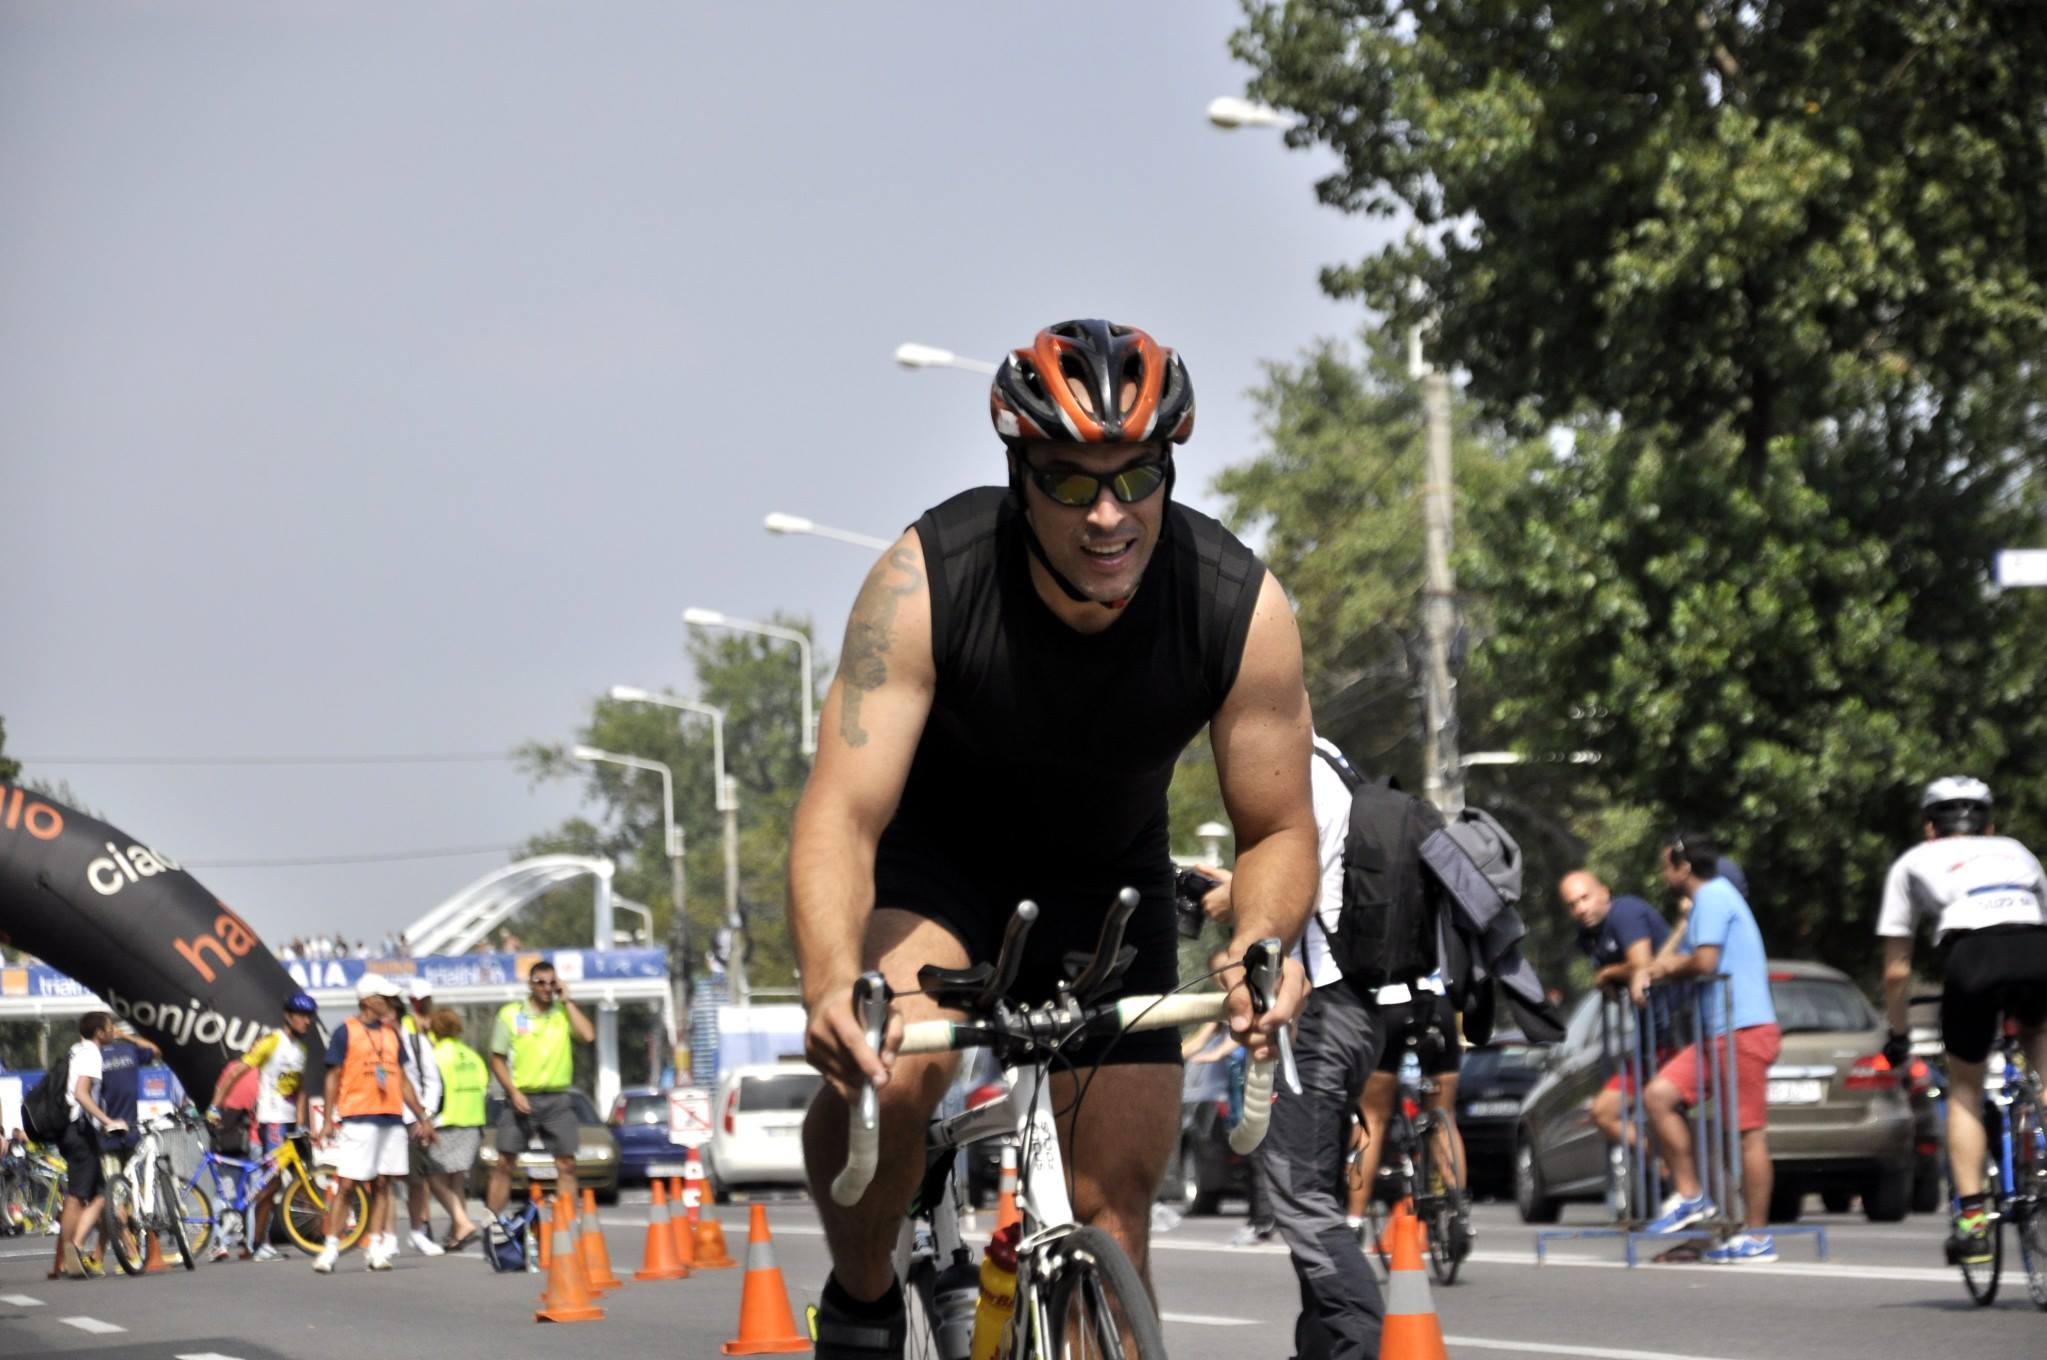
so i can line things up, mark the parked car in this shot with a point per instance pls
(1839, 1123)
(1203, 1169)
(596, 1154)
(1494, 1078)
(757, 1126)
(646, 1150)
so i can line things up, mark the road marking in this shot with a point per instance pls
(91, 1324)
(1206, 1320)
(20, 1301)
(1486, 1343)
(206, 1355)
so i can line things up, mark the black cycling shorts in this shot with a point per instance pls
(2000, 971)
(1444, 1055)
(977, 912)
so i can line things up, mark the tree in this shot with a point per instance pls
(10, 770)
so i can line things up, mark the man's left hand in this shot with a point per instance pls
(1259, 1034)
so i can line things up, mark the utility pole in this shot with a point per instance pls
(735, 967)
(1442, 775)
(678, 931)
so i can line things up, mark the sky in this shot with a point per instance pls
(387, 379)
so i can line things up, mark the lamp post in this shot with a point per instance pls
(727, 804)
(913, 355)
(679, 929)
(778, 523)
(1230, 112)
(711, 618)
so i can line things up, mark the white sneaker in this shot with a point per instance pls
(423, 1243)
(266, 1252)
(323, 1264)
(378, 1260)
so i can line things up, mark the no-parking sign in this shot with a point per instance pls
(689, 1116)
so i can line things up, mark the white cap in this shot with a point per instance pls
(421, 989)
(375, 984)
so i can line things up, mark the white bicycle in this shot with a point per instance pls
(143, 1200)
(1077, 1294)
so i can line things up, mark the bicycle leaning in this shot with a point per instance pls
(2014, 1174)
(302, 1206)
(1076, 1292)
(144, 1201)
(1419, 1165)
(31, 1189)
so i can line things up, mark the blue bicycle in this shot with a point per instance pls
(2015, 1173)
(301, 1208)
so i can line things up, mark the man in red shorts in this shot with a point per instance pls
(1718, 935)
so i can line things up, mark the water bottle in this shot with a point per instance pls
(996, 1299)
(955, 1297)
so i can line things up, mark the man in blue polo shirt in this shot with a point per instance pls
(1719, 936)
(1621, 935)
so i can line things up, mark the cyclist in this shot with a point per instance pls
(279, 1058)
(1021, 672)
(1432, 1022)
(1985, 893)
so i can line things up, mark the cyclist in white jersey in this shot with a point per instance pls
(1986, 894)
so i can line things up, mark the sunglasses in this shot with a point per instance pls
(1129, 484)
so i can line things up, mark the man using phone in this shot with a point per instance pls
(531, 1057)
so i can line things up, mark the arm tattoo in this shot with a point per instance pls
(868, 635)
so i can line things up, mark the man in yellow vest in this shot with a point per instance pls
(368, 1094)
(464, 1080)
(531, 1057)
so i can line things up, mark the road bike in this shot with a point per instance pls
(31, 1190)
(143, 1200)
(302, 1208)
(1420, 1165)
(2014, 1173)
(1077, 1293)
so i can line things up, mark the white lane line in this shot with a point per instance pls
(1486, 1343)
(91, 1324)
(20, 1301)
(206, 1355)
(1206, 1320)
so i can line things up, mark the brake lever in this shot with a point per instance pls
(1263, 962)
(863, 1138)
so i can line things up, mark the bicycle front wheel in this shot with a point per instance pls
(121, 1225)
(2029, 1198)
(1095, 1304)
(171, 1210)
(1437, 1175)
(305, 1213)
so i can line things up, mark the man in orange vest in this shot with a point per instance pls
(367, 1096)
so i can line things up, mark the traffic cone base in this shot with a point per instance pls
(1411, 1330)
(590, 1246)
(567, 1296)
(660, 1262)
(711, 1253)
(767, 1326)
(152, 1260)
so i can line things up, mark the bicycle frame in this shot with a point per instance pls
(2010, 1086)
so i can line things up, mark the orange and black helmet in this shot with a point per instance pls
(1135, 388)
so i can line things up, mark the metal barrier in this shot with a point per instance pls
(1636, 1041)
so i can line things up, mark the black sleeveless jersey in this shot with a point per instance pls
(1045, 759)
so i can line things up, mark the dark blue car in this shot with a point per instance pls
(639, 1121)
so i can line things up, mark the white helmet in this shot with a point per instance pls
(1955, 788)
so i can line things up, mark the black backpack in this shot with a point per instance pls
(44, 1111)
(1386, 928)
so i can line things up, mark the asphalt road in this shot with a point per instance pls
(1882, 1293)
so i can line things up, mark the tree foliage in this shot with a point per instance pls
(10, 770)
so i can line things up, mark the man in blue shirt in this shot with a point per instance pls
(122, 1062)
(1621, 935)
(1719, 936)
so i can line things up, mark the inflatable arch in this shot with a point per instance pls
(130, 924)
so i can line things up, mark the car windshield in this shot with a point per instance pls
(1817, 1005)
(645, 1110)
(784, 1091)
(1493, 1060)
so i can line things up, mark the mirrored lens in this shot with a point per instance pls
(1135, 483)
(1070, 488)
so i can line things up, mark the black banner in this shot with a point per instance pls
(130, 924)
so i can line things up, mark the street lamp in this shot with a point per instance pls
(779, 523)
(727, 804)
(646, 932)
(711, 618)
(913, 355)
(1229, 112)
(679, 931)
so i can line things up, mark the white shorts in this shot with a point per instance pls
(364, 1151)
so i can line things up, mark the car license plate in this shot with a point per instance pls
(667, 1169)
(1800, 1091)
(541, 1172)
(1492, 1109)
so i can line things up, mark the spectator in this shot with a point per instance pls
(1718, 935)
(85, 1179)
(367, 1096)
(532, 1058)
(425, 1073)
(464, 1080)
(1622, 936)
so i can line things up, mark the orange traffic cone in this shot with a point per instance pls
(1412, 1331)
(1006, 1211)
(567, 1296)
(660, 1263)
(152, 1261)
(766, 1324)
(540, 1208)
(711, 1253)
(685, 1225)
(1384, 1246)
(590, 1247)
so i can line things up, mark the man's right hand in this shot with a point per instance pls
(117, 1126)
(520, 1103)
(836, 1044)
